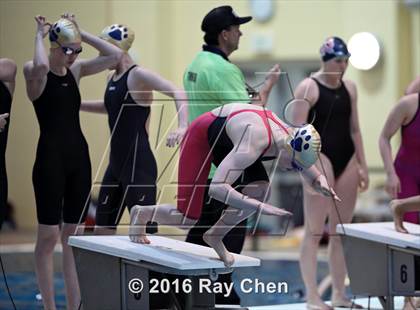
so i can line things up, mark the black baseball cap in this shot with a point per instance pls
(220, 18)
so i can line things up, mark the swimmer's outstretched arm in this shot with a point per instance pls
(230, 169)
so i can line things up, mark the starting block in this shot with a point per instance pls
(381, 261)
(115, 273)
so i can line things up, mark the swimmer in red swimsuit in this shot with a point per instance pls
(233, 137)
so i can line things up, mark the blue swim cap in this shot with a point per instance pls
(333, 47)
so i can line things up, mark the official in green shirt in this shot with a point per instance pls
(210, 81)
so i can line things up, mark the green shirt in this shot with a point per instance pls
(211, 81)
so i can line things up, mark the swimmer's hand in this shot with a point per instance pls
(320, 184)
(363, 178)
(273, 75)
(71, 17)
(43, 27)
(3, 121)
(393, 185)
(176, 136)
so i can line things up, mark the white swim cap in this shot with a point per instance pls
(63, 32)
(305, 146)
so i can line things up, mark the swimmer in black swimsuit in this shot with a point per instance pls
(62, 171)
(7, 87)
(130, 178)
(332, 103)
(332, 116)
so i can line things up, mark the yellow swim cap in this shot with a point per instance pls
(64, 32)
(119, 35)
(305, 145)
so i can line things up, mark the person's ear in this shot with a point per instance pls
(224, 35)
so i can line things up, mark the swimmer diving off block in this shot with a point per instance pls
(234, 137)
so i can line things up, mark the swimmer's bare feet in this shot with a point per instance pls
(398, 216)
(217, 244)
(317, 303)
(138, 220)
(345, 303)
(318, 307)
